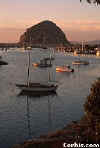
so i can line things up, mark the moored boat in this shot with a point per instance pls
(43, 63)
(49, 58)
(38, 87)
(3, 63)
(64, 69)
(80, 62)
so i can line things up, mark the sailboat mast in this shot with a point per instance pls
(49, 76)
(82, 46)
(28, 74)
(50, 59)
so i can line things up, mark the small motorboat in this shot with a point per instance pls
(64, 69)
(80, 62)
(3, 62)
(35, 64)
(50, 58)
(43, 63)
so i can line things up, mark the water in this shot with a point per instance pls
(23, 117)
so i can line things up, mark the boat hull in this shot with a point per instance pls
(64, 69)
(36, 88)
(3, 62)
(80, 63)
(41, 65)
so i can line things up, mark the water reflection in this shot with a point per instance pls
(49, 114)
(36, 97)
(28, 117)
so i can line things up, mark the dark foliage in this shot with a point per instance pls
(93, 1)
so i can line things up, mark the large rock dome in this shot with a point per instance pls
(44, 33)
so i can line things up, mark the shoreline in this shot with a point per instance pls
(75, 132)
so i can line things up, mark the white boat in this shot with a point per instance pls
(64, 69)
(38, 88)
(80, 62)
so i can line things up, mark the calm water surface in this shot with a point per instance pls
(23, 117)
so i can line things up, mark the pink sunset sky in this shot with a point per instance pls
(79, 21)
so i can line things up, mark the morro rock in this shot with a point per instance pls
(45, 33)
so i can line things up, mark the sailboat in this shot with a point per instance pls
(37, 88)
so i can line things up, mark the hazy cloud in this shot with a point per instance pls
(10, 34)
(84, 25)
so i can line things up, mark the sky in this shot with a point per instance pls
(79, 21)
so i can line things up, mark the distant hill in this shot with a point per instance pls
(44, 33)
(94, 42)
(75, 42)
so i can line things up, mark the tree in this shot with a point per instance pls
(93, 1)
(92, 112)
